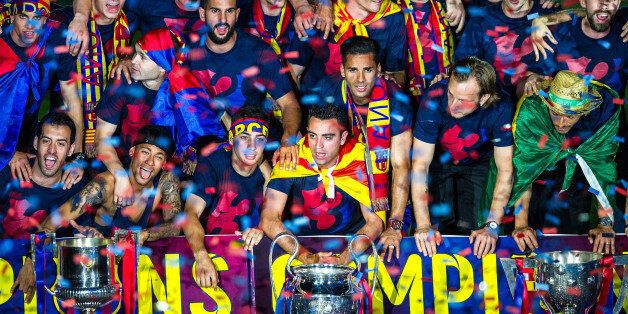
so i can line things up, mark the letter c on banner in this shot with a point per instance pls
(6, 280)
(442, 296)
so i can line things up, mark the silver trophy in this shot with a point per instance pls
(323, 288)
(563, 271)
(86, 271)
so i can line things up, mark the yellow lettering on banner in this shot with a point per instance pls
(223, 303)
(442, 296)
(149, 283)
(411, 280)
(279, 273)
(6, 280)
(617, 283)
(489, 276)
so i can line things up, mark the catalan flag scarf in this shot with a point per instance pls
(19, 81)
(348, 27)
(181, 102)
(375, 134)
(94, 69)
(284, 20)
(443, 38)
(349, 174)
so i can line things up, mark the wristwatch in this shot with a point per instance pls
(492, 226)
(395, 224)
(606, 221)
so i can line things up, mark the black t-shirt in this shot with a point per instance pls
(149, 15)
(127, 106)
(24, 206)
(232, 201)
(312, 213)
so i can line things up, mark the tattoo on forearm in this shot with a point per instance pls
(92, 194)
(169, 186)
(163, 231)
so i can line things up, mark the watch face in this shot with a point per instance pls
(493, 225)
(395, 224)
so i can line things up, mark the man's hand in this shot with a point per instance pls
(439, 77)
(77, 39)
(123, 67)
(287, 157)
(86, 231)
(390, 240)
(20, 167)
(548, 4)
(455, 14)
(484, 242)
(532, 83)
(525, 237)
(25, 280)
(72, 174)
(251, 237)
(624, 32)
(303, 19)
(307, 257)
(426, 240)
(324, 18)
(206, 274)
(539, 31)
(122, 191)
(603, 239)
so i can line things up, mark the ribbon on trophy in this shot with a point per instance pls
(523, 275)
(607, 263)
(129, 270)
(39, 256)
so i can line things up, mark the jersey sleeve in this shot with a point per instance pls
(283, 185)
(395, 57)
(428, 118)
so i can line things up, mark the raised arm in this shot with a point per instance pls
(123, 192)
(372, 228)
(170, 204)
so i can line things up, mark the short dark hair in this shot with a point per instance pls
(157, 135)
(57, 119)
(484, 75)
(328, 112)
(359, 45)
(249, 111)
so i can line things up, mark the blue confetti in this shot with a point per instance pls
(438, 48)
(532, 16)
(402, 97)
(594, 191)
(476, 11)
(463, 70)
(145, 251)
(604, 44)
(624, 183)
(552, 219)
(310, 99)
(440, 210)
(271, 146)
(541, 286)
(332, 245)
(618, 139)
(444, 158)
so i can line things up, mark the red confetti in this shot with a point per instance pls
(465, 252)
(250, 71)
(620, 191)
(618, 101)
(543, 141)
(563, 57)
(291, 55)
(501, 29)
(210, 190)
(61, 49)
(574, 291)
(550, 230)
(492, 33)
(435, 93)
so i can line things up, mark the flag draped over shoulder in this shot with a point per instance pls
(181, 102)
(19, 81)
(349, 174)
(347, 26)
(533, 125)
(283, 22)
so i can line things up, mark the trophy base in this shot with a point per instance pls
(324, 304)
(87, 298)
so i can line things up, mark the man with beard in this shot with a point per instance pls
(239, 69)
(464, 121)
(227, 194)
(24, 205)
(500, 37)
(155, 203)
(30, 67)
(590, 45)
(381, 121)
(330, 189)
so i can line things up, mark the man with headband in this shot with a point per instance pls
(564, 157)
(29, 62)
(156, 198)
(161, 95)
(227, 190)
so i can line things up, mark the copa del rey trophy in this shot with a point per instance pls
(86, 274)
(567, 281)
(323, 288)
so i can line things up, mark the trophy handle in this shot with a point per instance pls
(357, 260)
(292, 257)
(619, 304)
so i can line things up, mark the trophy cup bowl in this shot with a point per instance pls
(324, 288)
(85, 273)
(573, 279)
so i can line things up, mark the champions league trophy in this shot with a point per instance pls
(86, 271)
(323, 288)
(561, 273)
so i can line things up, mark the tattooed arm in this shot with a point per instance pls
(170, 204)
(93, 195)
